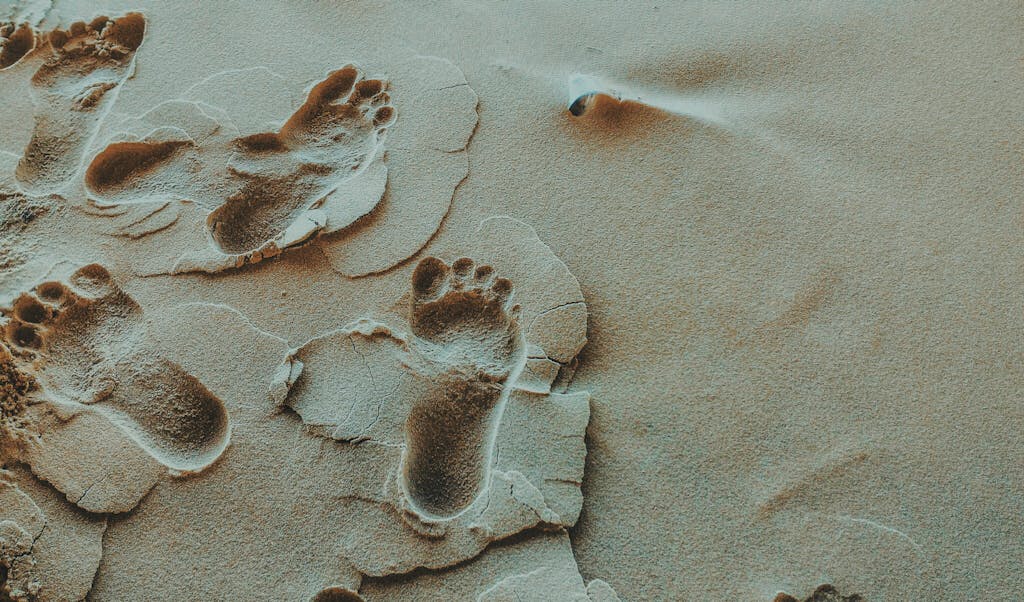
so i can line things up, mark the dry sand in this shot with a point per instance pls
(500, 301)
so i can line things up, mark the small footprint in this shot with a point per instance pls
(72, 92)
(182, 154)
(16, 41)
(468, 347)
(123, 161)
(81, 340)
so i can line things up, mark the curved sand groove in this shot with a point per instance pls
(270, 98)
(538, 568)
(487, 449)
(80, 337)
(74, 89)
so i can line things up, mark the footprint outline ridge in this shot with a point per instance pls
(331, 138)
(356, 383)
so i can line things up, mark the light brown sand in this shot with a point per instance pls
(500, 301)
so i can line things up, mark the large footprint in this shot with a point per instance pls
(73, 90)
(80, 339)
(454, 393)
(468, 346)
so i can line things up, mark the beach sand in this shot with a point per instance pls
(511, 301)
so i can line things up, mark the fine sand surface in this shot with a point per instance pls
(546, 301)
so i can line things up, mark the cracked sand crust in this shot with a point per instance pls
(448, 386)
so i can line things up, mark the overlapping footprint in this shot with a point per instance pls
(262, 190)
(72, 90)
(221, 196)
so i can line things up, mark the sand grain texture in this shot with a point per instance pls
(498, 301)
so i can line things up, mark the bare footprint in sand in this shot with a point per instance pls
(72, 91)
(467, 347)
(332, 136)
(80, 339)
(259, 186)
(452, 398)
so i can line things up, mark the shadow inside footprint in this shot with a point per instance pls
(469, 347)
(169, 413)
(127, 162)
(824, 593)
(333, 594)
(16, 41)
